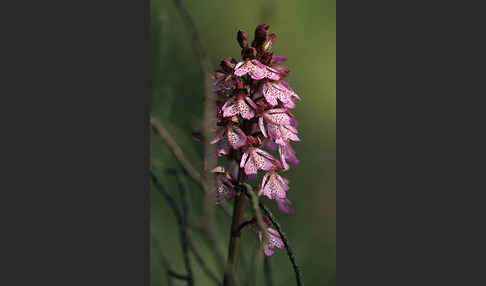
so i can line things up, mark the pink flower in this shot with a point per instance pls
(256, 70)
(273, 91)
(255, 159)
(223, 82)
(224, 187)
(272, 146)
(279, 124)
(273, 241)
(275, 63)
(252, 114)
(284, 205)
(234, 136)
(224, 77)
(224, 147)
(279, 116)
(239, 104)
(287, 153)
(274, 186)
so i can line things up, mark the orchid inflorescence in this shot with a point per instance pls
(254, 119)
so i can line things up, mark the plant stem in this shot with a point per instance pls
(235, 237)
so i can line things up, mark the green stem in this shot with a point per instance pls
(235, 237)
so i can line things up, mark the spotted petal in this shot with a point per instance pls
(273, 241)
(271, 73)
(279, 116)
(241, 68)
(263, 159)
(230, 108)
(224, 189)
(255, 159)
(281, 134)
(256, 70)
(273, 91)
(244, 109)
(274, 187)
(236, 137)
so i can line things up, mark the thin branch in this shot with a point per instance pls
(256, 211)
(170, 273)
(262, 228)
(176, 149)
(267, 268)
(290, 253)
(256, 264)
(182, 223)
(163, 191)
(213, 245)
(178, 276)
(235, 238)
(184, 229)
(209, 120)
(209, 124)
(201, 263)
(246, 223)
(197, 43)
(184, 161)
(209, 236)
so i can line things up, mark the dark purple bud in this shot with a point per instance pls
(269, 43)
(248, 53)
(227, 65)
(242, 38)
(261, 36)
(265, 58)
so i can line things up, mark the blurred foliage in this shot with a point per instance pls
(306, 33)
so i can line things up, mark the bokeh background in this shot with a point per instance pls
(306, 33)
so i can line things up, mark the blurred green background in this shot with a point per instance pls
(306, 33)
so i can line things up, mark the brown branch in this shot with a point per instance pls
(213, 245)
(258, 257)
(262, 228)
(209, 124)
(277, 226)
(180, 218)
(235, 238)
(184, 161)
(290, 253)
(163, 259)
(205, 268)
(184, 229)
(197, 43)
(182, 221)
(176, 150)
(256, 211)
(163, 191)
(209, 119)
